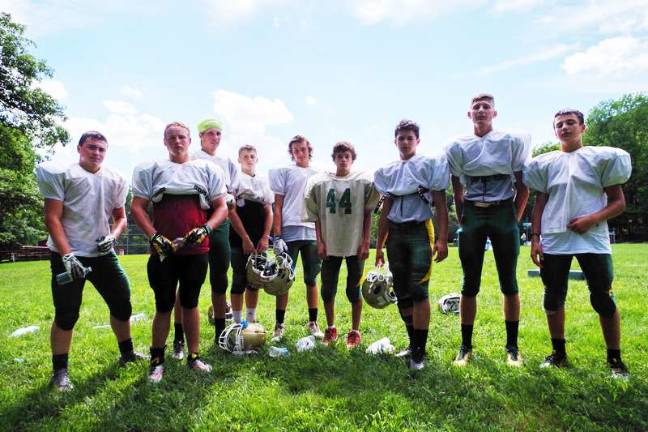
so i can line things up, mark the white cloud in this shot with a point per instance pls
(130, 92)
(545, 54)
(402, 11)
(616, 57)
(119, 107)
(516, 5)
(310, 100)
(228, 12)
(54, 88)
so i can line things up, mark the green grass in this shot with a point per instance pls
(331, 388)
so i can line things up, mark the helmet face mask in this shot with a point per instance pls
(242, 338)
(377, 289)
(274, 274)
(284, 276)
(449, 303)
(259, 270)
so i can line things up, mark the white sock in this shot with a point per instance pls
(251, 314)
(236, 315)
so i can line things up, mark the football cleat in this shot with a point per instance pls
(417, 360)
(61, 381)
(406, 353)
(513, 357)
(242, 338)
(278, 333)
(353, 339)
(196, 364)
(618, 369)
(330, 335)
(463, 357)
(131, 357)
(377, 289)
(156, 372)
(314, 330)
(554, 360)
(178, 350)
(449, 303)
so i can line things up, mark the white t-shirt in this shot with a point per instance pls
(151, 180)
(291, 183)
(230, 170)
(575, 183)
(339, 203)
(401, 179)
(88, 202)
(255, 189)
(497, 152)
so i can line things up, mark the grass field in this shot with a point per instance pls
(331, 388)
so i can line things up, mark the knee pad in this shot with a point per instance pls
(419, 293)
(510, 290)
(404, 304)
(469, 289)
(353, 294)
(552, 302)
(603, 303)
(66, 320)
(189, 298)
(328, 293)
(218, 282)
(122, 311)
(238, 284)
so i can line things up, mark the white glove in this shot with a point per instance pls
(106, 244)
(73, 266)
(279, 246)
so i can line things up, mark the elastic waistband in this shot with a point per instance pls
(487, 204)
(489, 178)
(406, 225)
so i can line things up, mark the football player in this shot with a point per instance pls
(340, 204)
(250, 233)
(80, 201)
(292, 233)
(410, 186)
(490, 198)
(577, 190)
(181, 191)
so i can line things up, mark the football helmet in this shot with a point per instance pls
(242, 338)
(259, 270)
(449, 303)
(378, 289)
(284, 275)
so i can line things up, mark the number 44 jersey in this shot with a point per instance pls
(339, 204)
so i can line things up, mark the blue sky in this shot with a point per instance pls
(335, 70)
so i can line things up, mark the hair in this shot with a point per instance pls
(343, 146)
(246, 147)
(568, 111)
(300, 139)
(176, 124)
(406, 125)
(98, 136)
(483, 96)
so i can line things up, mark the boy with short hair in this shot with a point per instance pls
(577, 190)
(340, 204)
(409, 186)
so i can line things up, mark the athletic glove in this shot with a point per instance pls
(162, 245)
(198, 235)
(73, 266)
(279, 246)
(106, 243)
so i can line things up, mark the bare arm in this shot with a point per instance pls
(521, 195)
(53, 215)
(276, 225)
(363, 250)
(262, 246)
(441, 241)
(237, 224)
(321, 244)
(142, 219)
(615, 206)
(536, 228)
(457, 189)
(383, 230)
(220, 213)
(119, 222)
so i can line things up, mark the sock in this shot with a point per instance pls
(512, 333)
(236, 316)
(126, 347)
(280, 315)
(59, 361)
(559, 346)
(409, 326)
(250, 314)
(419, 339)
(157, 356)
(312, 314)
(613, 354)
(192, 357)
(179, 332)
(219, 323)
(466, 335)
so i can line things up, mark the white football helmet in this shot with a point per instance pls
(378, 289)
(284, 275)
(259, 270)
(449, 303)
(242, 338)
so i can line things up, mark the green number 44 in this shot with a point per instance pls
(345, 201)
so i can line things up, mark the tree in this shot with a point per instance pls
(623, 123)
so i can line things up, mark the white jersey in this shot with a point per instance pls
(402, 179)
(575, 183)
(339, 203)
(88, 202)
(152, 180)
(291, 183)
(485, 165)
(255, 189)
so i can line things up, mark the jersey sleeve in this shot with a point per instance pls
(234, 175)
(50, 183)
(439, 176)
(143, 182)
(277, 179)
(216, 186)
(268, 195)
(371, 196)
(381, 182)
(535, 175)
(311, 201)
(520, 151)
(454, 158)
(616, 168)
(121, 193)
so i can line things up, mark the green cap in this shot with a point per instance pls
(209, 124)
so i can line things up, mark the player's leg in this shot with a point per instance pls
(330, 275)
(398, 254)
(555, 276)
(192, 276)
(178, 331)
(312, 264)
(251, 302)
(421, 241)
(355, 268)
(239, 281)
(219, 261)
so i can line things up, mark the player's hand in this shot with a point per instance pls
(536, 252)
(380, 258)
(230, 201)
(198, 235)
(262, 245)
(162, 245)
(321, 249)
(248, 246)
(73, 266)
(440, 250)
(279, 246)
(581, 224)
(363, 251)
(105, 244)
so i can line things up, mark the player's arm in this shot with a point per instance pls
(262, 245)
(321, 244)
(276, 224)
(458, 191)
(141, 217)
(119, 222)
(536, 227)
(219, 214)
(363, 249)
(440, 251)
(616, 204)
(383, 230)
(237, 224)
(521, 195)
(53, 217)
